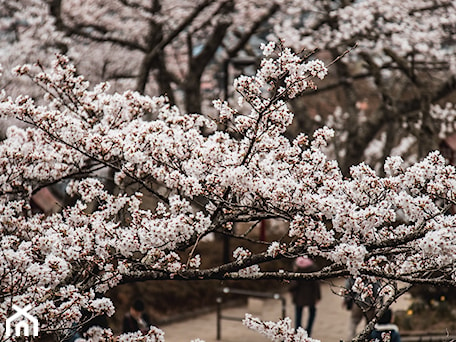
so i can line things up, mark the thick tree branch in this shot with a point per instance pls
(241, 43)
(158, 48)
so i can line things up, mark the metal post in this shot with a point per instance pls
(219, 317)
(284, 307)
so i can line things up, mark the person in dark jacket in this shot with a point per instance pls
(136, 319)
(305, 293)
(384, 327)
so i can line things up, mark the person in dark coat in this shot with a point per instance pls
(305, 293)
(385, 327)
(136, 319)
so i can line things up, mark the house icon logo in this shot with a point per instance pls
(22, 327)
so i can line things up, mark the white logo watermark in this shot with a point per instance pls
(22, 327)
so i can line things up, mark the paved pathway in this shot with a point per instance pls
(331, 323)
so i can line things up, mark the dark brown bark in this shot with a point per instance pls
(158, 48)
(197, 65)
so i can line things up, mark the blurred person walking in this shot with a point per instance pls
(135, 319)
(385, 330)
(305, 293)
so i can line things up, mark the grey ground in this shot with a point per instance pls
(331, 323)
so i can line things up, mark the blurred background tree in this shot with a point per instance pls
(382, 97)
(389, 95)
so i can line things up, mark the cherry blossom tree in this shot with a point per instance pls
(205, 179)
(206, 175)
